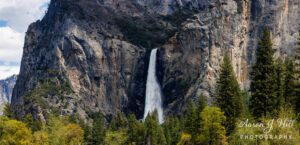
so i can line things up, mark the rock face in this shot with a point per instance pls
(96, 52)
(6, 89)
(191, 59)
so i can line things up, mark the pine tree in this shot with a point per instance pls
(202, 103)
(136, 131)
(279, 78)
(154, 132)
(213, 132)
(7, 111)
(297, 75)
(289, 83)
(172, 127)
(118, 122)
(168, 136)
(190, 122)
(228, 94)
(263, 99)
(98, 129)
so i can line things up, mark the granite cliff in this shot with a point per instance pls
(88, 56)
(6, 89)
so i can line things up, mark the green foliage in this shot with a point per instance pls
(115, 138)
(274, 87)
(98, 129)
(72, 135)
(263, 101)
(7, 111)
(236, 139)
(118, 122)
(13, 132)
(33, 124)
(172, 128)
(212, 132)
(136, 131)
(154, 132)
(185, 139)
(279, 86)
(202, 103)
(289, 91)
(297, 76)
(228, 94)
(48, 88)
(245, 112)
(40, 138)
(61, 132)
(191, 118)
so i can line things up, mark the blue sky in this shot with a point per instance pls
(3, 23)
(15, 17)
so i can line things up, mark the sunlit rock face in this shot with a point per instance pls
(191, 59)
(6, 89)
(98, 51)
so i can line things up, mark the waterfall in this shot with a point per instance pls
(153, 91)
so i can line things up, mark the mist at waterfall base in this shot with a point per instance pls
(153, 91)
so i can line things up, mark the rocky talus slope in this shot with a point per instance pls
(88, 56)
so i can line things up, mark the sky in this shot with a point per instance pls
(15, 17)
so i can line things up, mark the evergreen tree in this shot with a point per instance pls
(87, 132)
(7, 111)
(154, 132)
(190, 121)
(263, 99)
(33, 124)
(202, 103)
(168, 137)
(213, 132)
(297, 75)
(245, 112)
(118, 122)
(98, 130)
(172, 128)
(228, 94)
(279, 78)
(136, 131)
(289, 83)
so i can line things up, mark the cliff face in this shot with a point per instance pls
(6, 89)
(95, 52)
(191, 59)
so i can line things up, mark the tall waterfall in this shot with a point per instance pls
(153, 91)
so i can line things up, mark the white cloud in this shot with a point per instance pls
(20, 13)
(7, 71)
(11, 44)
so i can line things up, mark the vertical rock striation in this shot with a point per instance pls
(191, 59)
(95, 52)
